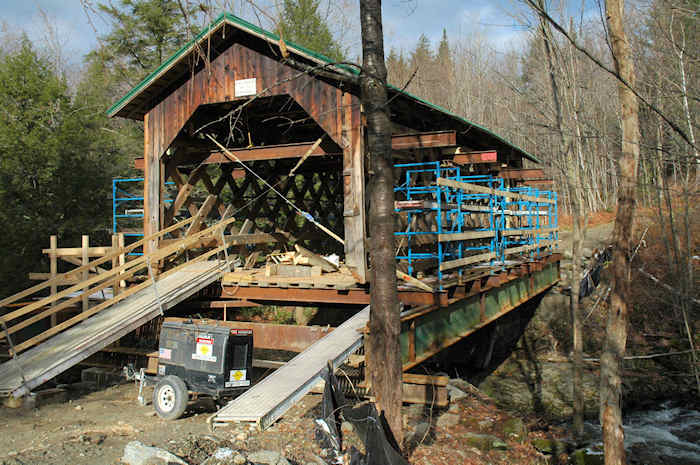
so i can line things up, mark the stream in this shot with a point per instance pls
(668, 435)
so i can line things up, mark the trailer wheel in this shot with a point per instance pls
(170, 398)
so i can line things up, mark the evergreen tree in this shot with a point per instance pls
(144, 34)
(301, 22)
(55, 166)
(446, 73)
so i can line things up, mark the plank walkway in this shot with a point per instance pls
(55, 355)
(268, 400)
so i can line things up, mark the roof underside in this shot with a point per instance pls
(228, 29)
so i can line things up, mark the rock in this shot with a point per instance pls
(455, 393)
(499, 445)
(484, 442)
(225, 456)
(549, 446)
(446, 420)
(423, 434)
(515, 429)
(586, 252)
(586, 457)
(137, 453)
(486, 424)
(267, 457)
(462, 385)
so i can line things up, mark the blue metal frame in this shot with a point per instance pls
(451, 207)
(126, 199)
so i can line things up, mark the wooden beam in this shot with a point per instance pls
(526, 248)
(201, 214)
(487, 156)
(467, 261)
(354, 214)
(424, 140)
(272, 152)
(523, 232)
(521, 173)
(53, 267)
(27, 292)
(231, 240)
(486, 190)
(465, 236)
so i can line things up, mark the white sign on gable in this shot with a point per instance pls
(246, 87)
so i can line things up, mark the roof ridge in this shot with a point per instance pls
(241, 23)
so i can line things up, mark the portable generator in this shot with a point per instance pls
(198, 358)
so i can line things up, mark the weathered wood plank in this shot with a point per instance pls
(486, 190)
(463, 236)
(467, 261)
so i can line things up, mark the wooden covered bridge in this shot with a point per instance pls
(254, 164)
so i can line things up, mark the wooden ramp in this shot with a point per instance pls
(44, 355)
(35, 366)
(268, 400)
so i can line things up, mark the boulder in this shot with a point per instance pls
(267, 457)
(586, 457)
(484, 442)
(446, 420)
(137, 453)
(455, 393)
(515, 429)
(549, 446)
(225, 456)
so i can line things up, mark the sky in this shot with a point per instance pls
(404, 21)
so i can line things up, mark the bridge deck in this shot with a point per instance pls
(44, 361)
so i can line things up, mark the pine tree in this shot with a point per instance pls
(445, 72)
(144, 34)
(301, 22)
(55, 166)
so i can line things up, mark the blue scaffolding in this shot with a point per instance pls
(127, 207)
(451, 225)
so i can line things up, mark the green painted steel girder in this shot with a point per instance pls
(428, 333)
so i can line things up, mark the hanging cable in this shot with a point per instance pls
(301, 212)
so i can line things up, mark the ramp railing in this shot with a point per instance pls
(45, 307)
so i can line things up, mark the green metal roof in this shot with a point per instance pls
(241, 24)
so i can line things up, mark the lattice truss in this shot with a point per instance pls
(210, 190)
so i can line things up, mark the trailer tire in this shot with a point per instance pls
(170, 398)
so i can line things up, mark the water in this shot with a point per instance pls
(669, 435)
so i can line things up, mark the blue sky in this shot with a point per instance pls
(404, 21)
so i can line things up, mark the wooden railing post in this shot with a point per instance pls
(122, 257)
(115, 264)
(53, 260)
(86, 272)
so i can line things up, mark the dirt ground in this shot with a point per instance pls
(93, 428)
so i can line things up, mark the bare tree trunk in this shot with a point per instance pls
(383, 354)
(573, 180)
(616, 331)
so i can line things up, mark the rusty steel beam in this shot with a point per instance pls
(325, 296)
(423, 140)
(292, 338)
